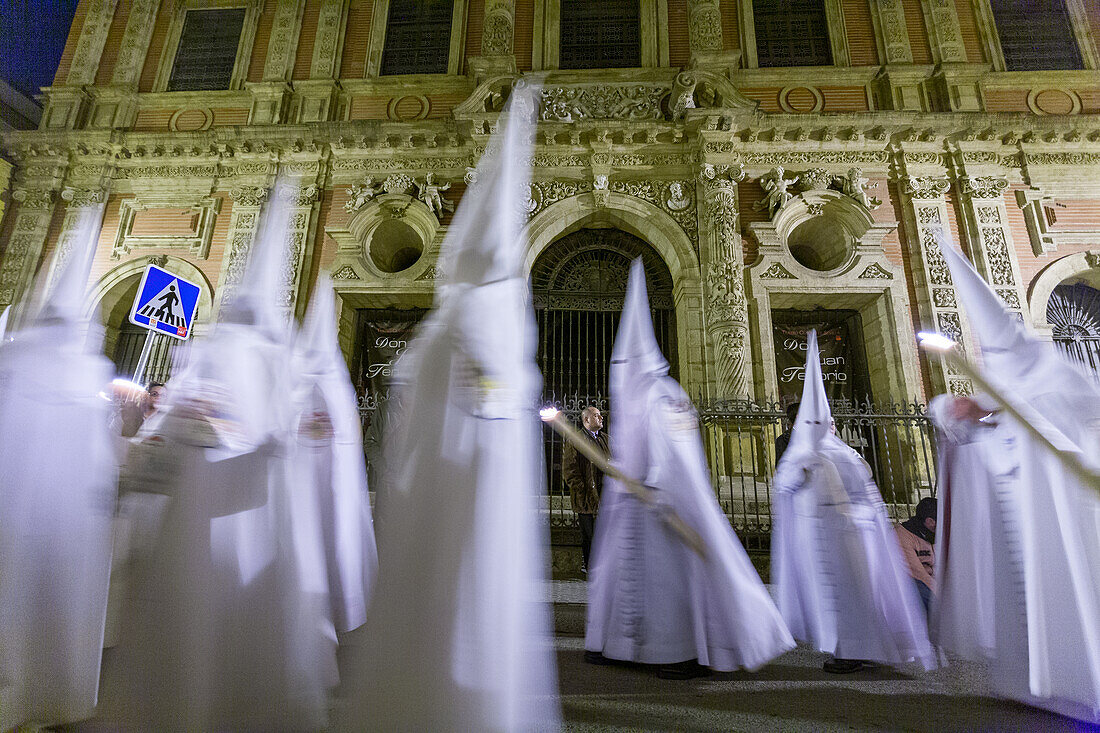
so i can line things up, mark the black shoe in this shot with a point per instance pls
(596, 658)
(844, 666)
(683, 670)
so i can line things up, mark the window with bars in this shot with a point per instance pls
(1036, 35)
(791, 33)
(418, 37)
(207, 50)
(600, 35)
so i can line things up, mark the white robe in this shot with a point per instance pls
(841, 581)
(218, 630)
(57, 494)
(651, 598)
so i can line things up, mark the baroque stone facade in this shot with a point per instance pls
(761, 189)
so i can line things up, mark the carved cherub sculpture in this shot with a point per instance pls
(359, 194)
(776, 184)
(430, 195)
(855, 185)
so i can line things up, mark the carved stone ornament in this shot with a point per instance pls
(249, 195)
(775, 183)
(875, 271)
(602, 102)
(683, 95)
(855, 186)
(361, 193)
(925, 187)
(399, 183)
(33, 198)
(983, 187)
(601, 190)
(496, 39)
(345, 273)
(431, 192)
(776, 271)
(1092, 258)
(815, 179)
(676, 200)
(432, 273)
(300, 195)
(470, 176)
(77, 197)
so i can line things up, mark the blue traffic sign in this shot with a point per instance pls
(165, 303)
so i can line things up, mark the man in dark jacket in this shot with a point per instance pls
(782, 441)
(584, 480)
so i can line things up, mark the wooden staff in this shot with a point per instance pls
(646, 494)
(1055, 440)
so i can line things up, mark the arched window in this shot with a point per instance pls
(1074, 312)
(791, 33)
(418, 37)
(1036, 35)
(600, 35)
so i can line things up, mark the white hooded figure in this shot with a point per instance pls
(841, 581)
(219, 631)
(57, 494)
(1044, 521)
(329, 464)
(458, 635)
(652, 600)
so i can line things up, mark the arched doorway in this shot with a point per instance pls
(579, 284)
(123, 341)
(1074, 313)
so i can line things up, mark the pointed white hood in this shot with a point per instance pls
(317, 345)
(493, 205)
(635, 340)
(814, 419)
(64, 301)
(259, 299)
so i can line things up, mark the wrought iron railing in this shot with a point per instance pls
(897, 441)
(1084, 350)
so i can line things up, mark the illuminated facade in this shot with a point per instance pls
(776, 164)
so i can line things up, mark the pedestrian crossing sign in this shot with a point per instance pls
(165, 303)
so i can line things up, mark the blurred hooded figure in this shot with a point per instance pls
(458, 635)
(651, 598)
(57, 495)
(841, 582)
(1041, 520)
(329, 464)
(219, 631)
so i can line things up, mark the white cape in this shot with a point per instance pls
(330, 472)
(651, 598)
(1050, 657)
(57, 494)
(840, 578)
(458, 634)
(57, 497)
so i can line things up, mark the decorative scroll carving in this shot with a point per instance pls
(683, 95)
(776, 271)
(983, 187)
(29, 232)
(550, 192)
(603, 102)
(945, 27)
(34, 198)
(925, 188)
(875, 271)
(345, 273)
(78, 197)
(249, 195)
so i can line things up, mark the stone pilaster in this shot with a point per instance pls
(705, 35)
(304, 201)
(244, 218)
(116, 105)
(497, 40)
(945, 34)
(893, 33)
(89, 46)
(986, 219)
(82, 205)
(283, 43)
(331, 22)
(29, 230)
(726, 306)
(926, 209)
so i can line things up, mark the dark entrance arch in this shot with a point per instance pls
(578, 285)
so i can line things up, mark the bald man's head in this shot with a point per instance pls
(592, 419)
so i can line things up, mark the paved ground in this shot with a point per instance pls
(791, 694)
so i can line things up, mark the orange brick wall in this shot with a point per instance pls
(114, 42)
(524, 42)
(156, 49)
(353, 65)
(731, 28)
(475, 22)
(860, 30)
(968, 24)
(259, 46)
(918, 35)
(679, 47)
(304, 59)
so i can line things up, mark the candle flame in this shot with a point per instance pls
(935, 341)
(549, 413)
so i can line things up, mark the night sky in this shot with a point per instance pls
(32, 37)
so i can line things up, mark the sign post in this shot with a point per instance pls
(165, 304)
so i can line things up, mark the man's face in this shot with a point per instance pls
(930, 524)
(156, 394)
(593, 420)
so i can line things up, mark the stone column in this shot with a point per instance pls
(89, 46)
(986, 219)
(317, 95)
(116, 105)
(956, 79)
(28, 238)
(304, 198)
(926, 209)
(271, 97)
(244, 218)
(724, 271)
(82, 204)
(497, 40)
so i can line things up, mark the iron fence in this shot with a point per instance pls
(896, 440)
(1084, 350)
